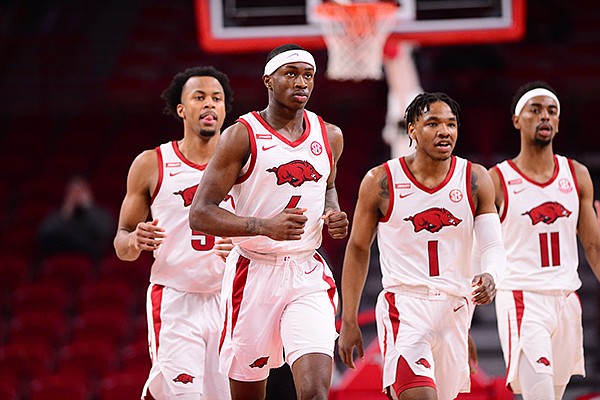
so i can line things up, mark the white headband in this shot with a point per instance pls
(287, 57)
(534, 93)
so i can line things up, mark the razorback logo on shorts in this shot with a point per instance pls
(543, 360)
(295, 173)
(187, 195)
(259, 362)
(184, 378)
(547, 213)
(433, 219)
(423, 362)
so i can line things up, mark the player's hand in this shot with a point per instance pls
(337, 223)
(222, 247)
(147, 236)
(287, 225)
(484, 289)
(597, 207)
(350, 337)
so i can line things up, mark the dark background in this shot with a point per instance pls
(80, 84)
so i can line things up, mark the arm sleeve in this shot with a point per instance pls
(490, 248)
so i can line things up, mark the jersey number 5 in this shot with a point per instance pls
(202, 242)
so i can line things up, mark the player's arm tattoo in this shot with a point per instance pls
(474, 187)
(384, 191)
(253, 225)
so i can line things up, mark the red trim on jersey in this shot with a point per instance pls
(160, 175)
(237, 292)
(424, 188)
(393, 313)
(519, 308)
(504, 193)
(179, 154)
(575, 182)
(326, 142)
(329, 280)
(253, 151)
(540, 184)
(285, 140)
(392, 196)
(469, 187)
(156, 301)
(407, 379)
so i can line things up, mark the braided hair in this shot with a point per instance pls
(420, 104)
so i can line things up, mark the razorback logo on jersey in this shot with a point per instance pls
(433, 219)
(259, 362)
(295, 173)
(187, 195)
(547, 212)
(184, 378)
(423, 362)
(543, 360)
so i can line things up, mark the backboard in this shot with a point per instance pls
(237, 26)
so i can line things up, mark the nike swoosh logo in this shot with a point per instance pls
(176, 173)
(458, 308)
(267, 148)
(518, 190)
(310, 270)
(405, 195)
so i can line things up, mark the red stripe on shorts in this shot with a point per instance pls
(156, 300)
(394, 319)
(224, 331)
(407, 379)
(329, 280)
(519, 308)
(237, 293)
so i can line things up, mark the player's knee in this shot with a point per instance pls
(534, 386)
(541, 390)
(312, 389)
(313, 393)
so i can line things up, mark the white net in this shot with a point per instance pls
(355, 35)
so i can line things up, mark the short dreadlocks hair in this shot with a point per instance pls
(172, 94)
(421, 103)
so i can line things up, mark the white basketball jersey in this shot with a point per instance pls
(185, 260)
(282, 174)
(539, 227)
(426, 237)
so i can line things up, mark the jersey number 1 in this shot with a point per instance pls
(432, 253)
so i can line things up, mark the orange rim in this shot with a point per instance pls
(342, 11)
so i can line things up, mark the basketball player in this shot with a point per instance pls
(278, 292)
(425, 209)
(545, 202)
(183, 301)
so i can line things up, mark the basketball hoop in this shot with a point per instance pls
(355, 35)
